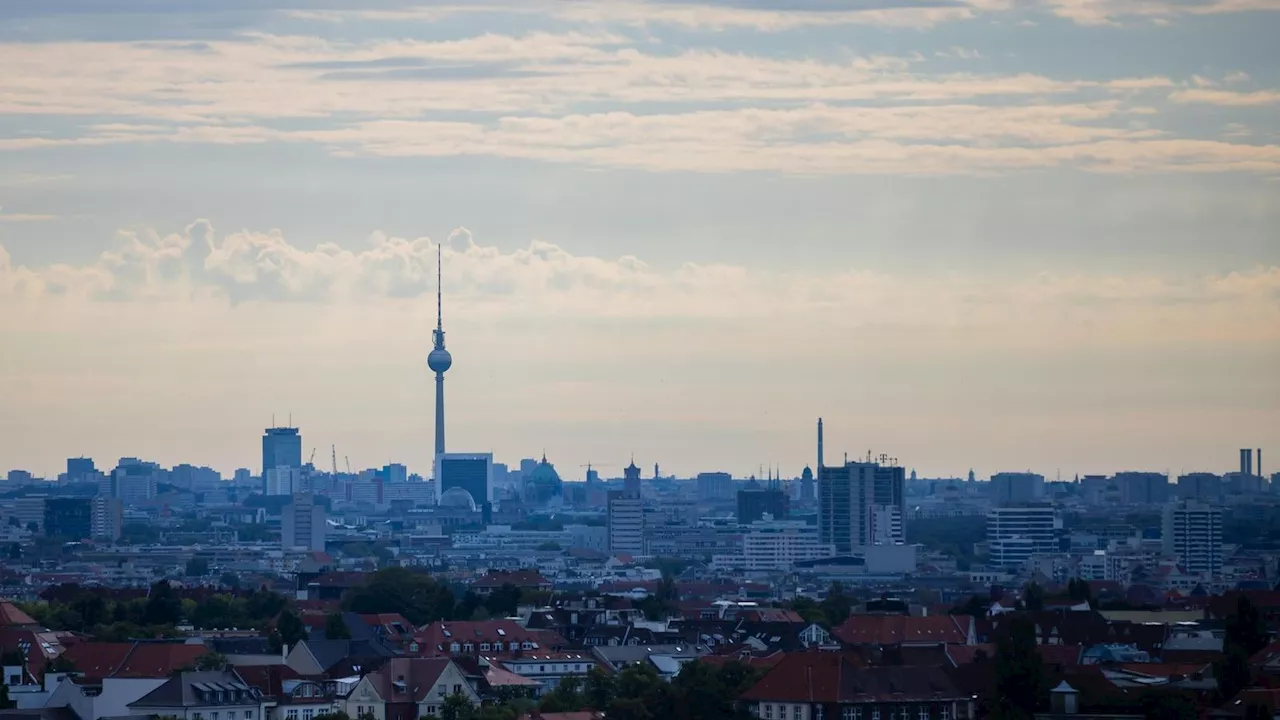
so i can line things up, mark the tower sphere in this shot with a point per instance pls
(439, 360)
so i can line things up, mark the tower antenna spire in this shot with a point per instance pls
(439, 360)
(439, 291)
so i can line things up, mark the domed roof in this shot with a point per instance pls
(544, 474)
(457, 498)
(807, 474)
(439, 360)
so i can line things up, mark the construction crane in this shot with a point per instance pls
(344, 457)
(312, 460)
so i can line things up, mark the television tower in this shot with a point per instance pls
(439, 360)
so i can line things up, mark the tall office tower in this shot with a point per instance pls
(439, 360)
(631, 479)
(1017, 533)
(284, 481)
(30, 510)
(281, 447)
(303, 523)
(1143, 488)
(472, 472)
(394, 473)
(861, 504)
(1016, 487)
(1246, 461)
(626, 522)
(108, 518)
(69, 518)
(134, 481)
(754, 503)
(1202, 486)
(1193, 532)
(80, 468)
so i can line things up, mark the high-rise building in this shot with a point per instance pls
(394, 473)
(1246, 461)
(626, 522)
(439, 360)
(779, 545)
(470, 471)
(79, 468)
(1202, 486)
(1193, 532)
(807, 493)
(715, 486)
(1017, 533)
(69, 518)
(861, 504)
(284, 481)
(1143, 488)
(108, 518)
(303, 523)
(1016, 487)
(281, 447)
(29, 510)
(134, 481)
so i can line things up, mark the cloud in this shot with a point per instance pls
(198, 265)
(1110, 12)
(24, 217)
(1226, 98)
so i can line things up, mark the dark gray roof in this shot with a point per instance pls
(330, 652)
(193, 689)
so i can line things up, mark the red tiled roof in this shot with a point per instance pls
(342, 579)
(438, 636)
(1065, 655)
(830, 677)
(967, 654)
(1268, 654)
(899, 629)
(771, 615)
(133, 660)
(11, 615)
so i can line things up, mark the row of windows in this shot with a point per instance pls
(791, 711)
(292, 714)
(231, 715)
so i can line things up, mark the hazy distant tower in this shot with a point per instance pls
(439, 360)
(819, 446)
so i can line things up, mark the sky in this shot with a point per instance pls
(991, 234)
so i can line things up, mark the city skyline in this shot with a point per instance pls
(976, 234)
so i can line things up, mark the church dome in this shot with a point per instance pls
(544, 482)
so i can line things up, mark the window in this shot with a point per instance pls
(291, 715)
(946, 713)
(195, 716)
(248, 715)
(768, 711)
(875, 713)
(457, 689)
(454, 647)
(849, 713)
(308, 714)
(924, 712)
(213, 715)
(431, 709)
(484, 647)
(542, 668)
(413, 647)
(468, 647)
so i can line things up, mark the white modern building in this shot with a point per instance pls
(1193, 532)
(778, 545)
(1018, 533)
(626, 523)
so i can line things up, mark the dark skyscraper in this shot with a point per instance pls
(439, 360)
(281, 447)
(70, 518)
(79, 468)
(755, 503)
(631, 479)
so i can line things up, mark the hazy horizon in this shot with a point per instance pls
(967, 233)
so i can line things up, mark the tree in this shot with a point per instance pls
(15, 551)
(229, 580)
(211, 661)
(836, 605)
(335, 628)
(164, 607)
(457, 707)
(1034, 597)
(640, 694)
(412, 593)
(290, 629)
(1078, 590)
(600, 689)
(550, 546)
(5, 702)
(335, 715)
(1232, 672)
(1246, 627)
(504, 601)
(1019, 673)
(566, 697)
